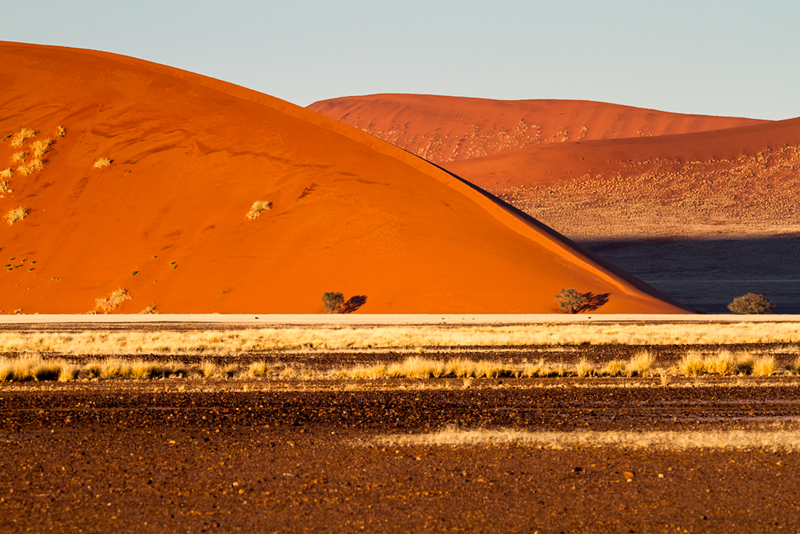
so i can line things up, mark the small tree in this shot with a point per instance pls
(751, 303)
(333, 301)
(571, 301)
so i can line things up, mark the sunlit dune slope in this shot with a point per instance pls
(189, 156)
(741, 181)
(442, 129)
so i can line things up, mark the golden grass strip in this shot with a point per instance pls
(757, 439)
(33, 366)
(388, 337)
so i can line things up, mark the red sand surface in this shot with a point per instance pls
(443, 128)
(550, 164)
(166, 220)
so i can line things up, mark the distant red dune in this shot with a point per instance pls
(188, 157)
(598, 171)
(442, 129)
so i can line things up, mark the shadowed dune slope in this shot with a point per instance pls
(189, 157)
(442, 129)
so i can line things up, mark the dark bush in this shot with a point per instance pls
(751, 303)
(333, 301)
(571, 301)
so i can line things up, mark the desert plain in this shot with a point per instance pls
(591, 426)
(165, 363)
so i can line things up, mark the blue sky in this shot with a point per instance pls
(733, 57)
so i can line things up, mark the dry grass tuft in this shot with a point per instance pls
(113, 301)
(259, 369)
(5, 174)
(724, 363)
(67, 372)
(615, 368)
(208, 369)
(641, 364)
(584, 368)
(150, 310)
(60, 132)
(19, 138)
(692, 364)
(33, 367)
(764, 366)
(4, 187)
(143, 370)
(19, 157)
(41, 147)
(258, 207)
(31, 167)
(102, 163)
(16, 215)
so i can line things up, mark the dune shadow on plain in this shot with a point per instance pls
(710, 273)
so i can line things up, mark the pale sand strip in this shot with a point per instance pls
(761, 439)
(393, 319)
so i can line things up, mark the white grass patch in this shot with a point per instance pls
(757, 439)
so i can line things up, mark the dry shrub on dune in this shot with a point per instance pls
(111, 302)
(41, 147)
(102, 163)
(4, 187)
(258, 207)
(31, 167)
(5, 174)
(60, 132)
(19, 157)
(16, 215)
(19, 138)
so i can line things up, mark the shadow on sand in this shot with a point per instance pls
(710, 273)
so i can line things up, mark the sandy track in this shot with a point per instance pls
(384, 319)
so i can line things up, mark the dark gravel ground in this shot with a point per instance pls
(285, 456)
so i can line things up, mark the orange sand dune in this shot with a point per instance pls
(442, 129)
(190, 155)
